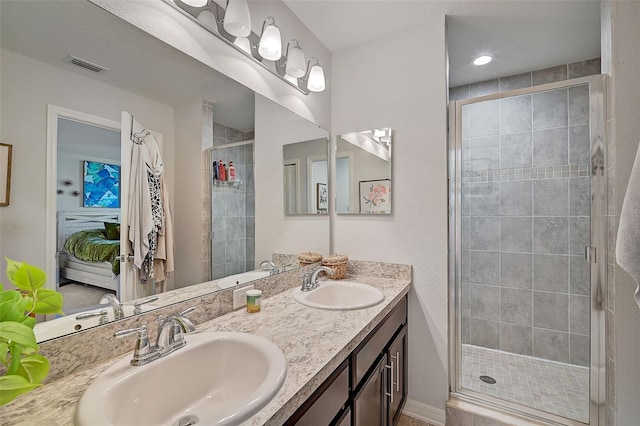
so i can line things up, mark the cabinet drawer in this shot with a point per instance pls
(365, 355)
(325, 403)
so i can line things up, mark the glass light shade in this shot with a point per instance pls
(270, 46)
(295, 62)
(316, 79)
(237, 20)
(195, 3)
(209, 19)
(291, 80)
(243, 43)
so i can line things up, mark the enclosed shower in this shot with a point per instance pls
(527, 268)
(233, 211)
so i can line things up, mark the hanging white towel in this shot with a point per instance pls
(628, 240)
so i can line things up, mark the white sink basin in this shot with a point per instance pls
(339, 296)
(216, 379)
(69, 324)
(238, 279)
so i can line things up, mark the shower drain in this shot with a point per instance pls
(488, 379)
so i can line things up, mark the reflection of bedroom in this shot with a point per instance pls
(88, 196)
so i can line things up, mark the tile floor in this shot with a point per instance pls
(558, 388)
(410, 421)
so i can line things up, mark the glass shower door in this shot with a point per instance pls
(525, 220)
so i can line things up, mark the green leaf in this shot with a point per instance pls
(18, 333)
(48, 302)
(12, 267)
(12, 306)
(28, 321)
(13, 386)
(4, 353)
(34, 368)
(27, 277)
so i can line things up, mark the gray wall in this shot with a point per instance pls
(233, 211)
(526, 207)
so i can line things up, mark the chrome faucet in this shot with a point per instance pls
(271, 267)
(171, 332)
(118, 312)
(310, 279)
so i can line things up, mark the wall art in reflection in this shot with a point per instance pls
(101, 185)
(375, 196)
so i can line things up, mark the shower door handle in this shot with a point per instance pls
(590, 254)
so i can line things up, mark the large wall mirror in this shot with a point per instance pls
(363, 172)
(199, 116)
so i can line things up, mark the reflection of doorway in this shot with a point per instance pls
(291, 188)
(317, 167)
(343, 185)
(73, 139)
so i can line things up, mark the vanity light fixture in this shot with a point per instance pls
(482, 60)
(315, 76)
(195, 3)
(209, 19)
(291, 80)
(233, 26)
(243, 43)
(295, 60)
(237, 20)
(270, 46)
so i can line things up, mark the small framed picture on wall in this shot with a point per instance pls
(322, 198)
(5, 173)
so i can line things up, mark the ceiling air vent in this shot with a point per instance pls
(85, 64)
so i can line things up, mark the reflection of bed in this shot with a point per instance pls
(95, 273)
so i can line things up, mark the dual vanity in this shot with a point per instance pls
(341, 363)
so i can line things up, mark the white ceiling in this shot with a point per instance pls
(51, 30)
(523, 35)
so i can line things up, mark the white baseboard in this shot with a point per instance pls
(424, 412)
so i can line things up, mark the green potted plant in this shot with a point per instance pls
(23, 368)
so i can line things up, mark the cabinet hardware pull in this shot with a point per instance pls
(390, 393)
(397, 383)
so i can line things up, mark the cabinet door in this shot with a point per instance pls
(397, 356)
(369, 405)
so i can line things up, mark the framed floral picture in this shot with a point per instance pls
(322, 198)
(375, 196)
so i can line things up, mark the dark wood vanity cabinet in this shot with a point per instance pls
(370, 386)
(380, 394)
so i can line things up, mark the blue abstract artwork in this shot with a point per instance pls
(101, 186)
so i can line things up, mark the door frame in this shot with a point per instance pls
(54, 113)
(597, 372)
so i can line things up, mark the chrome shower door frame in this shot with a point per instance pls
(597, 374)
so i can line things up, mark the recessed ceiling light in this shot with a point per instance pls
(482, 60)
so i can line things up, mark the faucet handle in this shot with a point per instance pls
(283, 268)
(137, 306)
(188, 311)
(306, 280)
(103, 314)
(143, 352)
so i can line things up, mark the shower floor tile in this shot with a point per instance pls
(557, 388)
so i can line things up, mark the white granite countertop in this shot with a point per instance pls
(314, 342)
